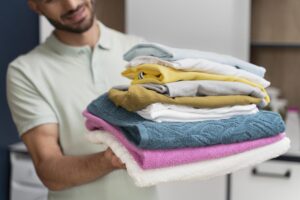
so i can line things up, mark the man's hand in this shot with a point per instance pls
(113, 159)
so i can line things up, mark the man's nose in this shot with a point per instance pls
(71, 4)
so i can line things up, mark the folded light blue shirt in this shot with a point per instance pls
(173, 54)
(147, 134)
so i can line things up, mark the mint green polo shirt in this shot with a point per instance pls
(54, 83)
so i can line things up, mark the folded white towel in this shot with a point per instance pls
(200, 170)
(175, 113)
(201, 65)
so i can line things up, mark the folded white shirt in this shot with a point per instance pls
(199, 170)
(176, 113)
(201, 65)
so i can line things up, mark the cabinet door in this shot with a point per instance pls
(23, 171)
(24, 192)
(271, 180)
(111, 13)
(213, 189)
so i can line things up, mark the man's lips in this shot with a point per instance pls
(76, 16)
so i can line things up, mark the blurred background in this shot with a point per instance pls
(265, 32)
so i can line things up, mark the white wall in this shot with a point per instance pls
(210, 25)
(45, 29)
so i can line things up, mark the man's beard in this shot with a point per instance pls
(80, 29)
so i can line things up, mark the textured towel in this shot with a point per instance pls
(151, 73)
(168, 135)
(201, 88)
(172, 54)
(150, 159)
(138, 98)
(200, 170)
(200, 65)
(173, 113)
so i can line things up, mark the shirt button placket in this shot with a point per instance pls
(89, 63)
(98, 71)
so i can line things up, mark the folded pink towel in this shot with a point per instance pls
(151, 159)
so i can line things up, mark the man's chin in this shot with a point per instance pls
(80, 27)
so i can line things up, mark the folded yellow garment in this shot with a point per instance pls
(138, 97)
(153, 73)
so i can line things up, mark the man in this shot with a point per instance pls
(48, 89)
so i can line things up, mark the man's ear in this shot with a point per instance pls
(33, 6)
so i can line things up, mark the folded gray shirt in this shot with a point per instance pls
(202, 88)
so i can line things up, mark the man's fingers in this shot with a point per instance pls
(123, 166)
(115, 161)
(108, 154)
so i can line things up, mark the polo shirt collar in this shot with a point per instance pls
(59, 47)
(105, 40)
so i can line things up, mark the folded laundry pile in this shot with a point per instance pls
(187, 115)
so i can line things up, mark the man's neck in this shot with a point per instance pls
(89, 37)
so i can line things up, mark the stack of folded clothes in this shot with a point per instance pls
(187, 115)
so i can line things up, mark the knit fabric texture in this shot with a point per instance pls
(138, 98)
(152, 73)
(200, 88)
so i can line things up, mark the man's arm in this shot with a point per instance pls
(58, 171)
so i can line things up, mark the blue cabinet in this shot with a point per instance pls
(19, 33)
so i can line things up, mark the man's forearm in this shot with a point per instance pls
(58, 171)
(68, 171)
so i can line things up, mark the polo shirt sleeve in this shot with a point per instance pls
(28, 108)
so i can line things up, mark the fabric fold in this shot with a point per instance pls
(151, 159)
(200, 65)
(167, 135)
(201, 88)
(152, 73)
(138, 98)
(200, 170)
(172, 54)
(173, 113)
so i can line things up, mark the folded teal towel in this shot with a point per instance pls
(172, 54)
(170, 135)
